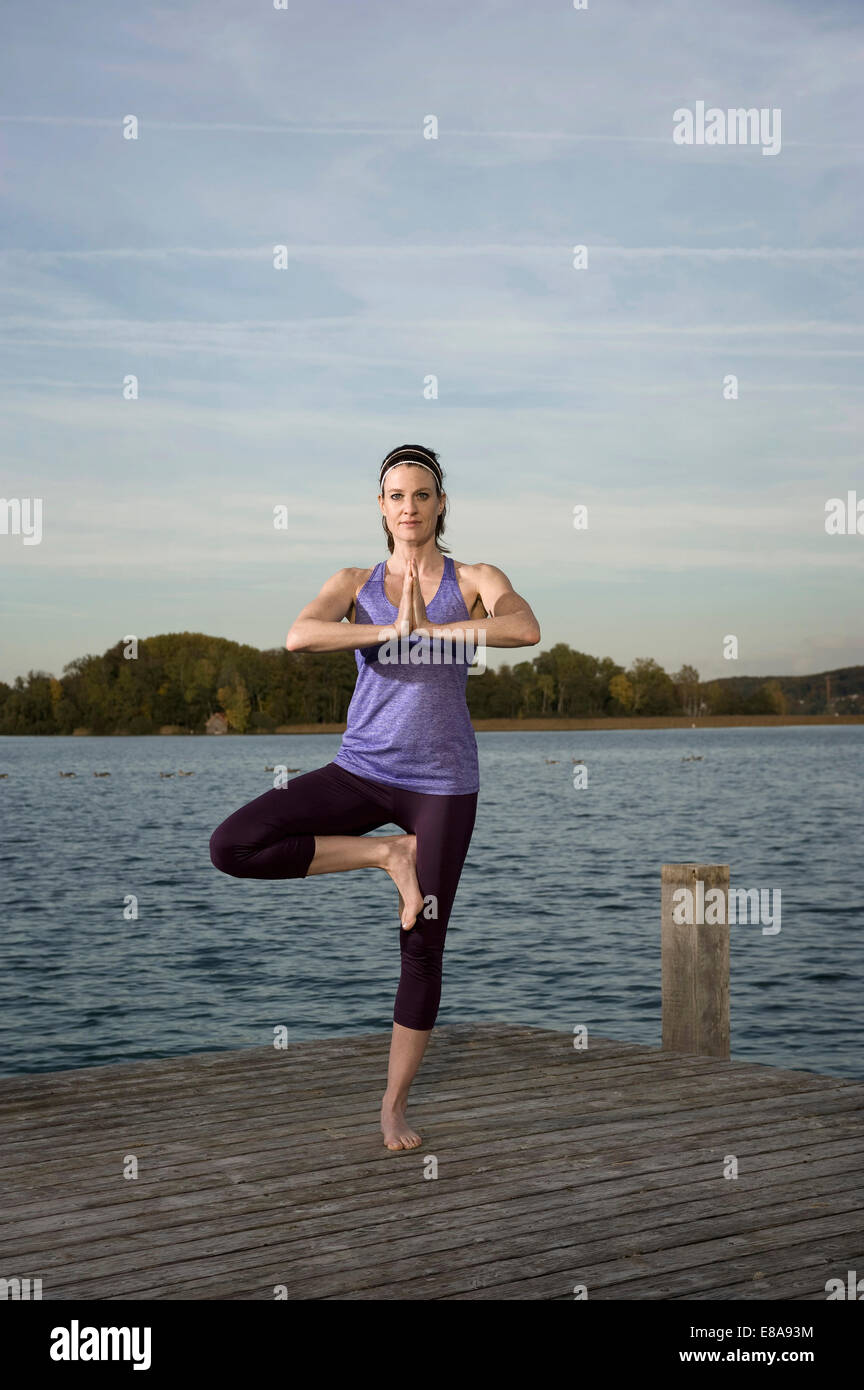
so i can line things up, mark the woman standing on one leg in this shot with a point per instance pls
(408, 756)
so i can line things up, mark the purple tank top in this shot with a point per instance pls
(408, 721)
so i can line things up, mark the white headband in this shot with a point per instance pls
(417, 462)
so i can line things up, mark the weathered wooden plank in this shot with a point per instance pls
(104, 1086)
(267, 1066)
(458, 1039)
(322, 1250)
(480, 1269)
(614, 1120)
(43, 1117)
(804, 1278)
(588, 1077)
(457, 1106)
(512, 1184)
(792, 1272)
(371, 1184)
(540, 1275)
(259, 1161)
(594, 1149)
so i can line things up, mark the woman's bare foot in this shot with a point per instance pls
(397, 1132)
(401, 864)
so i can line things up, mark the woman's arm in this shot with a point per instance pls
(512, 622)
(319, 627)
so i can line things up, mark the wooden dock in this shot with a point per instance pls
(263, 1169)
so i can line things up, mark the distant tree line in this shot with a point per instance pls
(180, 680)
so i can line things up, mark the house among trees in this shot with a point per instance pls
(216, 724)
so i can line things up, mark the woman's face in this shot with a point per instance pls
(410, 504)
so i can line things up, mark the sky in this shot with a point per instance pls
(448, 260)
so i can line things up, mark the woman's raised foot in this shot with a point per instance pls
(401, 864)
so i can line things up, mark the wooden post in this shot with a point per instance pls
(695, 962)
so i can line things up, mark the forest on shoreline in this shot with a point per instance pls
(189, 682)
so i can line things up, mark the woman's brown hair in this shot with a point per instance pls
(415, 453)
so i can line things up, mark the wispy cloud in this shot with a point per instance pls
(425, 250)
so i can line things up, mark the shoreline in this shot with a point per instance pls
(515, 726)
(664, 721)
(667, 721)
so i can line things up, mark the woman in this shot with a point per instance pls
(408, 756)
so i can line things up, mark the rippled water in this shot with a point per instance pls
(556, 922)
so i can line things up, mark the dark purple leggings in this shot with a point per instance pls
(274, 837)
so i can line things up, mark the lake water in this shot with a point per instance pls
(556, 923)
